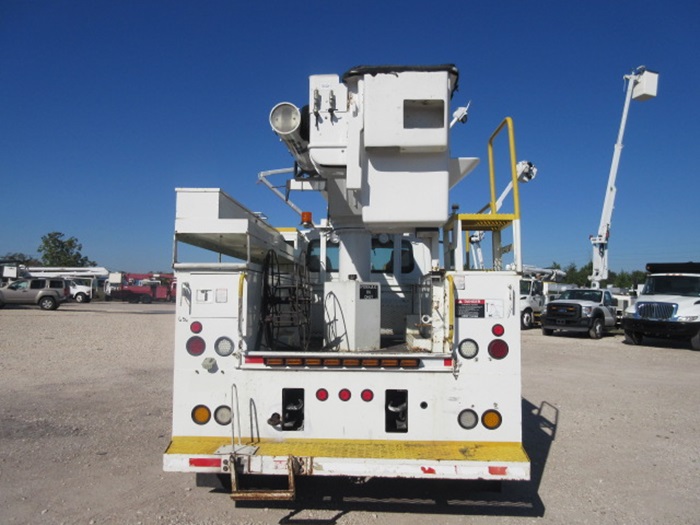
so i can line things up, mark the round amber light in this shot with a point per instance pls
(201, 415)
(491, 419)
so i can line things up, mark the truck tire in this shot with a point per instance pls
(596, 330)
(48, 303)
(695, 341)
(633, 338)
(547, 331)
(146, 299)
(81, 298)
(526, 319)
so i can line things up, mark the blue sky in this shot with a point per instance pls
(107, 106)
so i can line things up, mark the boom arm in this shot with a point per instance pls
(637, 87)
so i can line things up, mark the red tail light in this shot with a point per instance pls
(196, 327)
(367, 395)
(498, 330)
(196, 346)
(498, 349)
(344, 394)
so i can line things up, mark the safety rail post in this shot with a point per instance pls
(507, 122)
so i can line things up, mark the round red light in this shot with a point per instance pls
(344, 394)
(322, 394)
(498, 349)
(498, 330)
(196, 327)
(196, 346)
(367, 395)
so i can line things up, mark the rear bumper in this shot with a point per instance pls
(393, 459)
(671, 329)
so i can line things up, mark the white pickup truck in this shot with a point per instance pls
(669, 305)
(80, 290)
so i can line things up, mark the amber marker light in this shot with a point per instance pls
(491, 419)
(201, 415)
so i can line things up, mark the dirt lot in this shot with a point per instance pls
(85, 416)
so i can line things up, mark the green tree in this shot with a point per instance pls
(638, 277)
(55, 251)
(20, 258)
(621, 279)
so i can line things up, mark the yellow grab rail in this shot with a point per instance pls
(514, 172)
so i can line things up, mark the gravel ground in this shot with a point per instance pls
(85, 416)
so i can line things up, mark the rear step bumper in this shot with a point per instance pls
(393, 459)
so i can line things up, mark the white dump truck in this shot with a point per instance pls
(354, 345)
(669, 305)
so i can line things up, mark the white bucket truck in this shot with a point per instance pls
(352, 346)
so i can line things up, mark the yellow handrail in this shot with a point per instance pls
(514, 173)
(451, 307)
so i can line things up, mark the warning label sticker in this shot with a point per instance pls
(479, 308)
(475, 308)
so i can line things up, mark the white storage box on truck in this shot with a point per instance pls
(668, 306)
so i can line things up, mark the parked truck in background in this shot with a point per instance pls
(534, 287)
(82, 280)
(581, 310)
(668, 306)
(140, 287)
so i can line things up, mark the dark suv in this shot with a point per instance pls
(48, 293)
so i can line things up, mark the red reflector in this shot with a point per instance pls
(344, 394)
(196, 327)
(322, 394)
(447, 362)
(205, 462)
(427, 470)
(254, 361)
(498, 330)
(498, 471)
(367, 395)
(498, 349)
(196, 345)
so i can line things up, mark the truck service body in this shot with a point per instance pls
(356, 346)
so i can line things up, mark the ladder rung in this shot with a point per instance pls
(288, 494)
